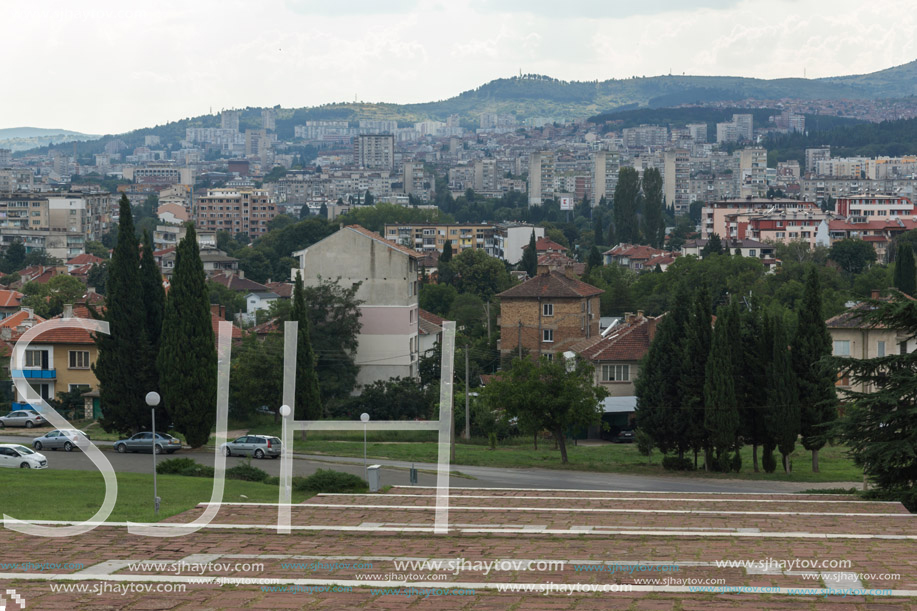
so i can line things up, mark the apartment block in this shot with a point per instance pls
(677, 180)
(374, 151)
(235, 210)
(425, 237)
(541, 178)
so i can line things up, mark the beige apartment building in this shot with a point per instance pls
(424, 237)
(235, 210)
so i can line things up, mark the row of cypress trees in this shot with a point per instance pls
(712, 388)
(167, 344)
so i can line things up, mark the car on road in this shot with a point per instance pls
(257, 446)
(66, 439)
(15, 456)
(143, 442)
(23, 417)
(624, 436)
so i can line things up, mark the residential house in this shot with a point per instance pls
(388, 342)
(9, 302)
(616, 357)
(258, 300)
(637, 257)
(854, 338)
(747, 248)
(547, 314)
(430, 330)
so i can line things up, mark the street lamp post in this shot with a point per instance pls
(364, 418)
(152, 399)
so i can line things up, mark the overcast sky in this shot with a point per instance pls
(108, 66)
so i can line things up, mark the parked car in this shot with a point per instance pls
(16, 456)
(68, 439)
(624, 436)
(23, 417)
(257, 446)
(143, 442)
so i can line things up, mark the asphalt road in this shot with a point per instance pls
(396, 472)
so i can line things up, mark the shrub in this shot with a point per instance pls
(273, 480)
(197, 471)
(175, 465)
(769, 462)
(493, 440)
(673, 463)
(737, 462)
(246, 473)
(327, 480)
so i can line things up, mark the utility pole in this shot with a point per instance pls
(467, 434)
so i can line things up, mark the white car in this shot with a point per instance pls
(16, 456)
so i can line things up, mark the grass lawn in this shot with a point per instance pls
(76, 495)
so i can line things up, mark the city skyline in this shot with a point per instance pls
(110, 69)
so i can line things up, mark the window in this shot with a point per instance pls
(752, 253)
(842, 347)
(880, 349)
(547, 335)
(79, 359)
(549, 356)
(615, 373)
(33, 358)
(547, 309)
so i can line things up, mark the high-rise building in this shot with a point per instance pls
(485, 175)
(752, 175)
(268, 119)
(744, 126)
(605, 166)
(814, 155)
(374, 151)
(726, 132)
(413, 179)
(229, 119)
(677, 180)
(541, 177)
(235, 210)
(698, 132)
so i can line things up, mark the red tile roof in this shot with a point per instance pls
(10, 299)
(235, 283)
(635, 252)
(375, 236)
(431, 317)
(85, 258)
(551, 284)
(281, 289)
(215, 320)
(14, 320)
(547, 244)
(627, 343)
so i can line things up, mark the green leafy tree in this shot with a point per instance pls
(121, 353)
(97, 278)
(548, 396)
(852, 255)
(187, 354)
(754, 355)
(392, 399)
(594, 260)
(437, 298)
(48, 299)
(97, 249)
(480, 274)
(529, 261)
(256, 375)
(308, 402)
(721, 415)
(625, 205)
(233, 301)
(781, 393)
(905, 272)
(879, 426)
(154, 295)
(653, 219)
(13, 258)
(815, 377)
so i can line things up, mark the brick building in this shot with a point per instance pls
(548, 314)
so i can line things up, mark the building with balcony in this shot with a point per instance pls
(235, 210)
(424, 237)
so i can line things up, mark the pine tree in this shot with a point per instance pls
(879, 427)
(187, 354)
(693, 371)
(598, 225)
(529, 260)
(121, 352)
(905, 272)
(154, 295)
(814, 375)
(594, 260)
(721, 415)
(714, 246)
(653, 222)
(447, 252)
(308, 402)
(782, 402)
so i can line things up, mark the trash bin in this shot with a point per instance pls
(372, 474)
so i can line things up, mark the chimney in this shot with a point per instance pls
(91, 290)
(639, 314)
(68, 310)
(215, 308)
(241, 274)
(875, 294)
(628, 317)
(651, 324)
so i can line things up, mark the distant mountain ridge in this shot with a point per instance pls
(542, 96)
(10, 133)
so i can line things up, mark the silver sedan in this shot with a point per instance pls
(66, 439)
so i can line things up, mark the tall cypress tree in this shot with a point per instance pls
(693, 371)
(447, 252)
(754, 355)
(529, 260)
(154, 298)
(658, 395)
(815, 376)
(121, 353)
(783, 405)
(721, 415)
(308, 402)
(653, 223)
(626, 195)
(187, 354)
(905, 272)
